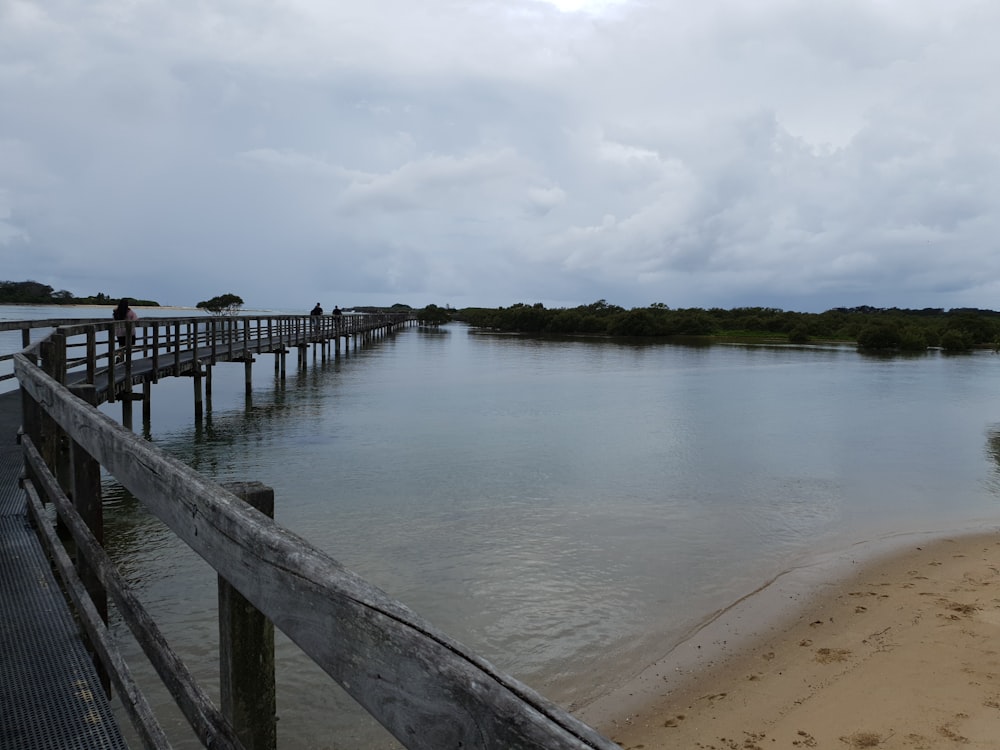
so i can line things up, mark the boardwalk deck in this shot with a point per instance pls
(50, 695)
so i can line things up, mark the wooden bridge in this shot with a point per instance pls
(428, 690)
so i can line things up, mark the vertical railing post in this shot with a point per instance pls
(54, 448)
(112, 357)
(177, 348)
(247, 361)
(156, 352)
(91, 355)
(86, 495)
(246, 650)
(214, 326)
(57, 357)
(126, 398)
(31, 418)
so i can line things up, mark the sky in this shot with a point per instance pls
(798, 154)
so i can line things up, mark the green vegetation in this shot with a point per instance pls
(224, 304)
(873, 329)
(432, 315)
(35, 293)
(398, 307)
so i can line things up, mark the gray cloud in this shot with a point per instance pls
(781, 153)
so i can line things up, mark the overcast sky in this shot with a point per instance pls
(720, 153)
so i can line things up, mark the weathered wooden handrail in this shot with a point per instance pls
(25, 327)
(427, 689)
(91, 347)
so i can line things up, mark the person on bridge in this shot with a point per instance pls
(336, 310)
(123, 313)
(316, 310)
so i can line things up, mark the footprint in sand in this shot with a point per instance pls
(831, 655)
(863, 739)
(958, 608)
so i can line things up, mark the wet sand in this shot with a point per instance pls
(902, 651)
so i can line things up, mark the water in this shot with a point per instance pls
(568, 509)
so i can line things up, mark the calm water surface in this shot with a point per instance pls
(568, 509)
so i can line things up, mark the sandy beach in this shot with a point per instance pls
(903, 651)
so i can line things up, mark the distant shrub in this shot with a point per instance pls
(798, 335)
(954, 340)
(879, 336)
(912, 339)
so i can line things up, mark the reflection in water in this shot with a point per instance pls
(567, 508)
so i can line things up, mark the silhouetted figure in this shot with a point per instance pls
(123, 312)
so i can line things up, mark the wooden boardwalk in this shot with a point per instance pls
(427, 689)
(50, 694)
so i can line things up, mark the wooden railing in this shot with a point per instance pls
(428, 690)
(88, 348)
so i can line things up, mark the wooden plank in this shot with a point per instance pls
(424, 687)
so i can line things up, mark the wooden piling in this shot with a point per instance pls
(126, 400)
(147, 403)
(246, 649)
(196, 377)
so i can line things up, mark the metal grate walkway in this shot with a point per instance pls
(50, 695)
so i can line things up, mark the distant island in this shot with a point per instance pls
(36, 293)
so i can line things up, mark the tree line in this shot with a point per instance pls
(36, 293)
(871, 328)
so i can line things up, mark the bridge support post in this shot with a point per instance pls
(126, 400)
(246, 650)
(147, 403)
(199, 408)
(248, 376)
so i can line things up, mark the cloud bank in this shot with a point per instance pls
(793, 154)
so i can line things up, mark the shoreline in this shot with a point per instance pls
(886, 644)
